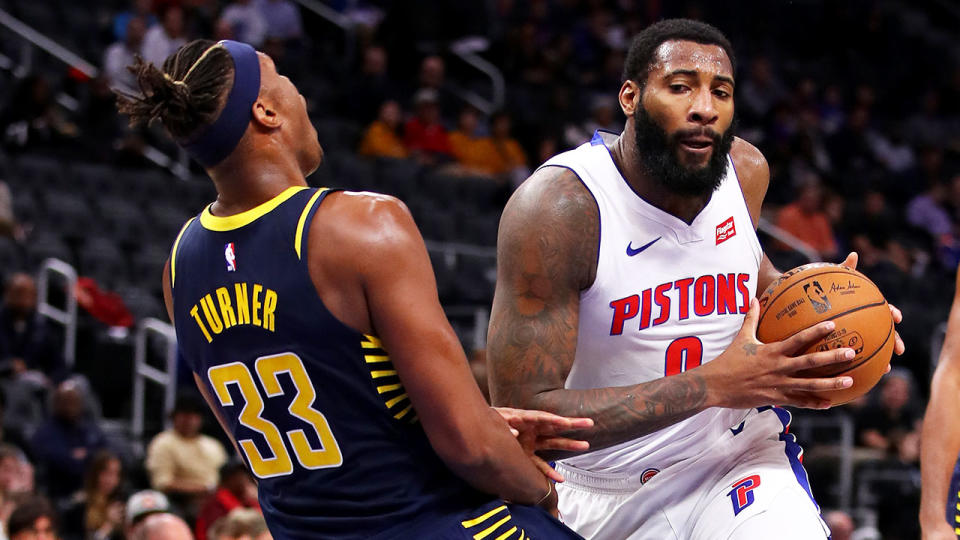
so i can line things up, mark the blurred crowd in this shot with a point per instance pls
(856, 106)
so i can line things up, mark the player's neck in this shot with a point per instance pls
(249, 178)
(625, 157)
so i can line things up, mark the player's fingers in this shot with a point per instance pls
(897, 314)
(851, 260)
(820, 359)
(547, 470)
(562, 443)
(887, 370)
(805, 401)
(514, 432)
(818, 384)
(804, 338)
(898, 347)
(749, 328)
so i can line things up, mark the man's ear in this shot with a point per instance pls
(265, 114)
(629, 97)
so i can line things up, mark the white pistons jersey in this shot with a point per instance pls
(668, 297)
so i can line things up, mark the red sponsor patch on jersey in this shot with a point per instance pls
(726, 230)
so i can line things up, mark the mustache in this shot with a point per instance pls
(702, 131)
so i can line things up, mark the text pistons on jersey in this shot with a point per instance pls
(723, 294)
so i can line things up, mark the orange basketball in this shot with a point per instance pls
(819, 292)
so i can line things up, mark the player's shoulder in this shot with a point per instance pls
(352, 218)
(749, 163)
(551, 193)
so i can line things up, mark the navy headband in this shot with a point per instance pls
(218, 140)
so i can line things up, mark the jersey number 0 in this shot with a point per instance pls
(268, 369)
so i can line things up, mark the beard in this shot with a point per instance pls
(658, 153)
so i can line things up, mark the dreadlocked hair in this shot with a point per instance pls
(186, 95)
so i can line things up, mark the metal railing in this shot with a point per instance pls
(337, 19)
(795, 243)
(466, 49)
(66, 316)
(32, 39)
(843, 424)
(143, 372)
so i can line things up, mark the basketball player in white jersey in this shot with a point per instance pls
(625, 264)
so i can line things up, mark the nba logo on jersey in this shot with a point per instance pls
(231, 256)
(726, 231)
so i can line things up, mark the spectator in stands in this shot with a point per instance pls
(246, 21)
(433, 76)
(512, 159)
(282, 18)
(424, 134)
(162, 526)
(27, 344)
(840, 523)
(31, 119)
(927, 212)
(371, 85)
(601, 117)
(804, 219)
(761, 91)
(120, 54)
(65, 443)
(382, 137)
(10, 432)
(892, 421)
(182, 462)
(138, 9)
(240, 524)
(8, 222)
(97, 511)
(16, 479)
(475, 153)
(236, 490)
(33, 519)
(163, 39)
(141, 505)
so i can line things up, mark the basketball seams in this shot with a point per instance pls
(865, 360)
(831, 270)
(832, 317)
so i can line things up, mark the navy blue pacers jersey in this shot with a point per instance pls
(316, 407)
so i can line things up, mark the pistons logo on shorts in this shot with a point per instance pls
(742, 493)
(647, 474)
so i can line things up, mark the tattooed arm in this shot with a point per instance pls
(547, 254)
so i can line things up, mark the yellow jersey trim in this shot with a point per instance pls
(229, 223)
(298, 240)
(480, 519)
(173, 253)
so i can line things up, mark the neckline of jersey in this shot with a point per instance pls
(229, 223)
(685, 232)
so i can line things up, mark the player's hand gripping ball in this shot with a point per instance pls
(819, 292)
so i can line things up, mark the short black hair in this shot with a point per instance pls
(644, 46)
(188, 403)
(27, 513)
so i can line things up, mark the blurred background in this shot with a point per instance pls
(449, 106)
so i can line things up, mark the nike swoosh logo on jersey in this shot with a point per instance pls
(738, 429)
(631, 251)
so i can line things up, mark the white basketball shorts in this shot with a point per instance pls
(749, 484)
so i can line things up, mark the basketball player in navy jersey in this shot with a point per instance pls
(311, 321)
(627, 271)
(940, 440)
